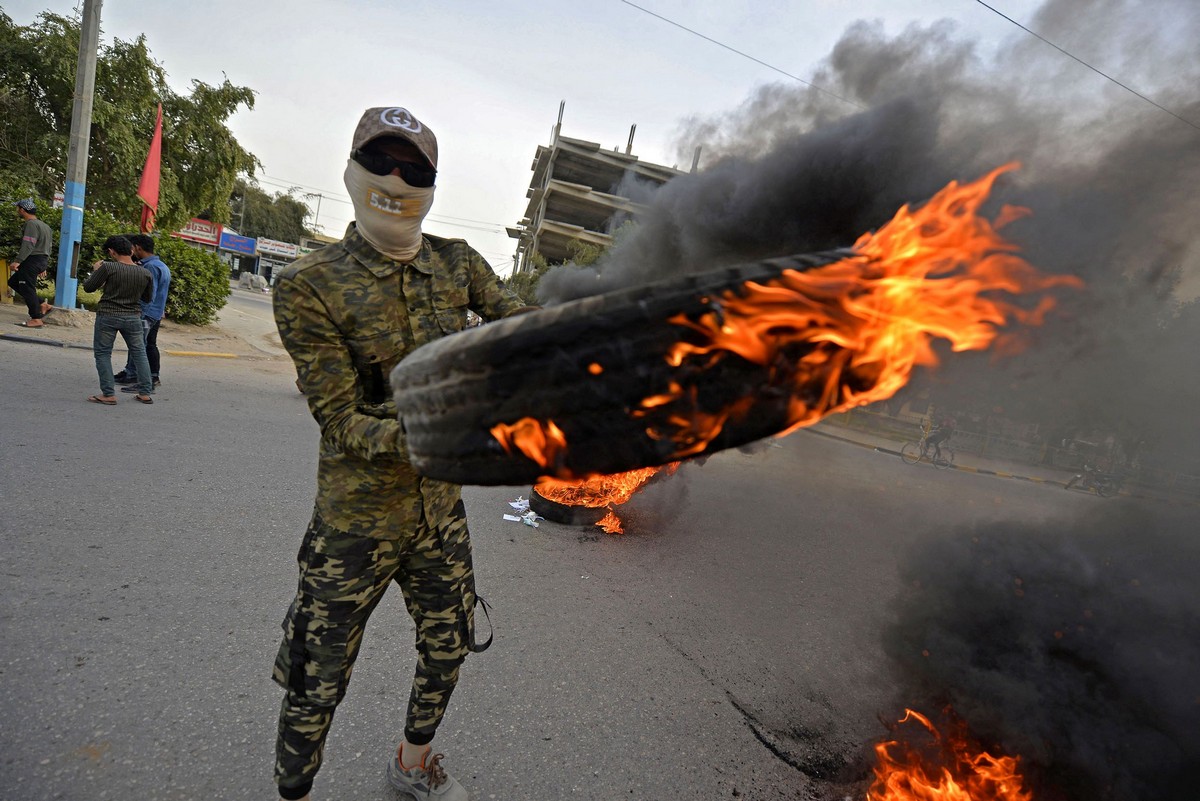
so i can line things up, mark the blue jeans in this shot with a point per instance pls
(150, 333)
(130, 328)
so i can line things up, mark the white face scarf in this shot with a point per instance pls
(387, 211)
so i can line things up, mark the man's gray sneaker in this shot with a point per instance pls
(431, 782)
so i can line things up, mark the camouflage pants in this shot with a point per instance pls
(342, 578)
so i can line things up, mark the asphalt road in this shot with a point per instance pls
(726, 647)
(250, 313)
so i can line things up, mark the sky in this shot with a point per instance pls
(488, 78)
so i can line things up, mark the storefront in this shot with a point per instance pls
(274, 255)
(237, 252)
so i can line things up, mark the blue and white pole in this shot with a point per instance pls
(66, 279)
(69, 237)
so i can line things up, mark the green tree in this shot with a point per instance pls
(525, 283)
(256, 213)
(201, 159)
(582, 254)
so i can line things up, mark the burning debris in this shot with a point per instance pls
(935, 765)
(1074, 647)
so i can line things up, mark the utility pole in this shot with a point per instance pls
(70, 235)
(317, 216)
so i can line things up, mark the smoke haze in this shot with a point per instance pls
(1074, 645)
(1111, 180)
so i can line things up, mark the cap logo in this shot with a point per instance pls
(400, 118)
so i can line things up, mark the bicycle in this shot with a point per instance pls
(917, 450)
(1106, 485)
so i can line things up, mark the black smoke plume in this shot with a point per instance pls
(1113, 183)
(1075, 646)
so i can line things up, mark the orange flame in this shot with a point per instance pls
(846, 334)
(543, 443)
(961, 773)
(611, 523)
(601, 491)
(866, 320)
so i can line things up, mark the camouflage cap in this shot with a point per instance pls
(399, 122)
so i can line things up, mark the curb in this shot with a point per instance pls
(211, 354)
(1124, 493)
(54, 343)
(977, 470)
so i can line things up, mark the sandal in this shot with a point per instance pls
(102, 400)
(143, 399)
(31, 324)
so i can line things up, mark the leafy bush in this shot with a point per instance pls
(199, 282)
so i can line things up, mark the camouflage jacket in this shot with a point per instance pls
(347, 315)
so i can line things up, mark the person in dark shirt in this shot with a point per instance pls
(152, 312)
(126, 286)
(30, 262)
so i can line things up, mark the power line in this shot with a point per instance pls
(743, 55)
(1089, 66)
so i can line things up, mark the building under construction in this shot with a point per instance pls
(574, 196)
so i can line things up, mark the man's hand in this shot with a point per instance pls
(14, 265)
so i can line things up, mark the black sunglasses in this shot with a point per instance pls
(416, 175)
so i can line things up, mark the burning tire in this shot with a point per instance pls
(565, 513)
(651, 375)
(587, 367)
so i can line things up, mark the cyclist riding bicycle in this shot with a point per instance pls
(942, 430)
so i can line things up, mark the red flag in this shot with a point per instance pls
(148, 186)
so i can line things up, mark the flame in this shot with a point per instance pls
(543, 443)
(959, 772)
(601, 491)
(846, 334)
(611, 523)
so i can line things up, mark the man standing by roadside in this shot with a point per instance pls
(124, 284)
(30, 262)
(347, 314)
(152, 312)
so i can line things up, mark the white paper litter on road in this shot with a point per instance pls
(528, 516)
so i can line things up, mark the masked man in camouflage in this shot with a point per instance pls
(347, 314)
